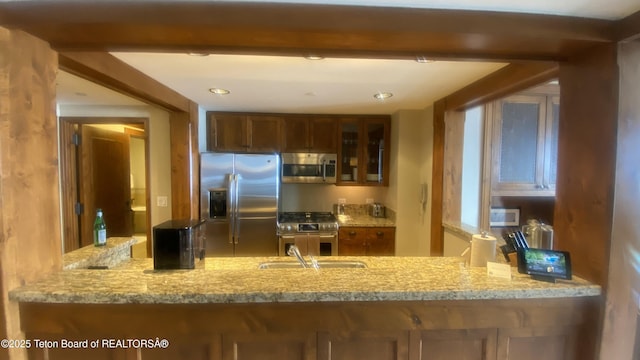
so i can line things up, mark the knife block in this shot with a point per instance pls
(513, 259)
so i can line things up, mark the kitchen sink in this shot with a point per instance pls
(323, 264)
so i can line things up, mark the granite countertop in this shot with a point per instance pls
(238, 280)
(116, 250)
(363, 220)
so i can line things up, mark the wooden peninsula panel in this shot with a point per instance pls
(488, 329)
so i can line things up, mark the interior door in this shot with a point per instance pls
(104, 181)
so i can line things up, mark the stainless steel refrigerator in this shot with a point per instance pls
(239, 196)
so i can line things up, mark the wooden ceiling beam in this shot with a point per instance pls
(628, 29)
(508, 80)
(295, 29)
(105, 69)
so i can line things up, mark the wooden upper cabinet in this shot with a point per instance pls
(227, 132)
(238, 132)
(362, 156)
(295, 134)
(324, 134)
(525, 143)
(310, 133)
(264, 133)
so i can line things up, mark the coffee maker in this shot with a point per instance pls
(179, 244)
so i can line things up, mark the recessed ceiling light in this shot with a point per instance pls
(424, 60)
(219, 91)
(382, 95)
(314, 57)
(193, 53)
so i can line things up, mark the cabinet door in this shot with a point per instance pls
(476, 344)
(375, 159)
(323, 134)
(228, 132)
(295, 134)
(557, 343)
(519, 147)
(294, 346)
(352, 241)
(551, 143)
(379, 345)
(264, 133)
(349, 151)
(381, 241)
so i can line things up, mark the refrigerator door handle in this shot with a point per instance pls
(236, 213)
(231, 205)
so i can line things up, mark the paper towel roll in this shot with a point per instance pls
(483, 249)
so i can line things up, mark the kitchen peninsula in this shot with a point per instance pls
(395, 308)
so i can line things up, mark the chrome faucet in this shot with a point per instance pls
(294, 251)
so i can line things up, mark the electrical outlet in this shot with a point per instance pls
(369, 201)
(161, 201)
(342, 201)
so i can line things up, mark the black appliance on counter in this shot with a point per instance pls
(179, 244)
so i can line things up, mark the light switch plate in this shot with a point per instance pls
(369, 201)
(342, 201)
(161, 201)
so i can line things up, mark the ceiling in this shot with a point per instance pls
(332, 85)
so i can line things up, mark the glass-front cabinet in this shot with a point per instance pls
(525, 145)
(349, 155)
(363, 159)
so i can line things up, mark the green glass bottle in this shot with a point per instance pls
(99, 230)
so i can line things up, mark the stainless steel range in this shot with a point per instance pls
(314, 233)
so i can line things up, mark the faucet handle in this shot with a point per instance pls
(314, 262)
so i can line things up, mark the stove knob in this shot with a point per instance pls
(289, 228)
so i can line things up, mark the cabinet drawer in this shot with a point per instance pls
(385, 233)
(352, 233)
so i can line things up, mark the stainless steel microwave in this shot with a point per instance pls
(309, 168)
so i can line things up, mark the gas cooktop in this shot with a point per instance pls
(307, 222)
(302, 217)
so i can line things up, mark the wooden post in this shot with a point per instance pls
(30, 240)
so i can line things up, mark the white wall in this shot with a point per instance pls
(472, 152)
(411, 161)
(159, 145)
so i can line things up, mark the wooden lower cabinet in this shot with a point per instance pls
(553, 343)
(383, 345)
(270, 346)
(366, 241)
(468, 344)
(550, 329)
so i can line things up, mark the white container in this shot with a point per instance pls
(483, 249)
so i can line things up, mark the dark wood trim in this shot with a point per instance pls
(628, 28)
(297, 29)
(508, 80)
(583, 213)
(452, 174)
(105, 69)
(69, 168)
(437, 178)
(622, 308)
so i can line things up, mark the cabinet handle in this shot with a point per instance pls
(352, 233)
(380, 233)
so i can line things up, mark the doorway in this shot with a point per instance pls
(96, 161)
